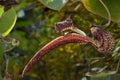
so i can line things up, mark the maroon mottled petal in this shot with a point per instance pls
(104, 41)
(64, 25)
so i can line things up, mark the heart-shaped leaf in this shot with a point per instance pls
(7, 22)
(54, 4)
(96, 7)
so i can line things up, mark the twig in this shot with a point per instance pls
(108, 12)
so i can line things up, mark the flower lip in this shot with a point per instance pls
(104, 41)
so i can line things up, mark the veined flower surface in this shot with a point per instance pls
(103, 41)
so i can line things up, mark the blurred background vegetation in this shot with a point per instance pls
(35, 27)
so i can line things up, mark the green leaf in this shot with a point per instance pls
(1, 10)
(7, 22)
(54, 4)
(1, 50)
(97, 8)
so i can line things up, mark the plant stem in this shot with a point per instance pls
(108, 12)
(82, 33)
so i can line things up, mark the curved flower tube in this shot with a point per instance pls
(62, 40)
(103, 41)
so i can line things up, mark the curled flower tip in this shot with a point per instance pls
(64, 25)
(104, 41)
(68, 25)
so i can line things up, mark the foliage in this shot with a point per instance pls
(1, 10)
(8, 17)
(54, 4)
(35, 28)
(100, 10)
